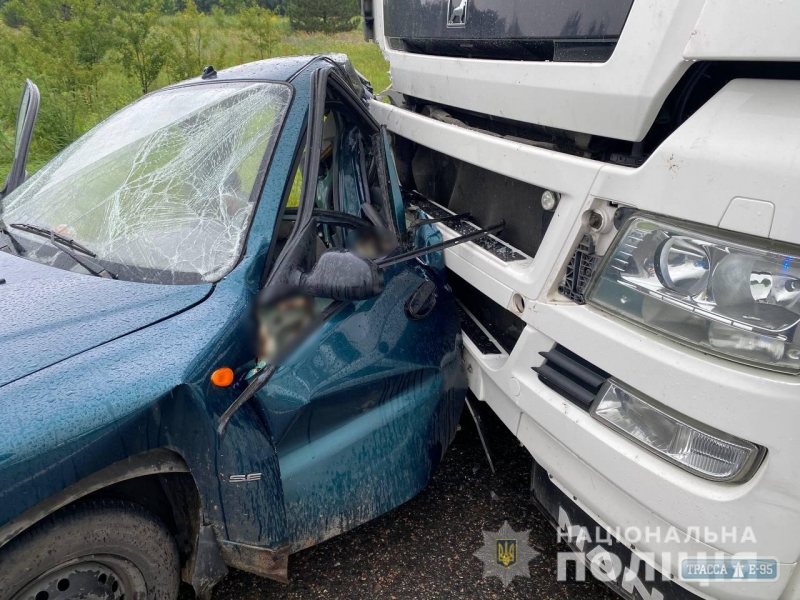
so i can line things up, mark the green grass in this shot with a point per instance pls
(115, 90)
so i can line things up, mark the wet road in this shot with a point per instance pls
(424, 548)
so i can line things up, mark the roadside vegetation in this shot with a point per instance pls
(92, 57)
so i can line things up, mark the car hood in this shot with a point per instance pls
(48, 314)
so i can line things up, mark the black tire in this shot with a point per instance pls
(111, 549)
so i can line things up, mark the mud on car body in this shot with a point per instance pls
(201, 369)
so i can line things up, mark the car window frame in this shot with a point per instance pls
(299, 151)
(311, 142)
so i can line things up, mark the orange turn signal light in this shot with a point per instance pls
(222, 377)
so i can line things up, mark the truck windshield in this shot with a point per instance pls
(164, 189)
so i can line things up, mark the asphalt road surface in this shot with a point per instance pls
(424, 548)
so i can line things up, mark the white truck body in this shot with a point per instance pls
(734, 165)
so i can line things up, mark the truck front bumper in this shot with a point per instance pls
(659, 511)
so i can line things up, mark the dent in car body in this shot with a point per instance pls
(362, 421)
(137, 378)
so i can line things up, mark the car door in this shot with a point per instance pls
(367, 400)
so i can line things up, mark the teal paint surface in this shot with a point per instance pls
(95, 371)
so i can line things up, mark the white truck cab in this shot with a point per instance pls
(635, 324)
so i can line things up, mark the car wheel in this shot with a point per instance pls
(102, 549)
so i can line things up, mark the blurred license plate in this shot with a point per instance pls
(567, 516)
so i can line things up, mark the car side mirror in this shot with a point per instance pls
(26, 119)
(342, 275)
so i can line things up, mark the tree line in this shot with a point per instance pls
(91, 57)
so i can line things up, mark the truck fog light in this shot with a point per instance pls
(705, 452)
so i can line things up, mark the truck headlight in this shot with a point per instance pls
(735, 298)
(708, 453)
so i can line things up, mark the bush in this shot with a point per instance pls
(192, 37)
(326, 16)
(258, 26)
(13, 14)
(143, 47)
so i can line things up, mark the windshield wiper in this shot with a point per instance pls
(53, 236)
(89, 265)
(64, 243)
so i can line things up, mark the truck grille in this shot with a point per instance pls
(571, 376)
(490, 243)
(491, 327)
(509, 49)
(470, 326)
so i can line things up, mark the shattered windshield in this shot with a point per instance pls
(165, 188)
